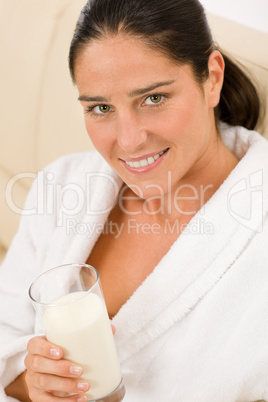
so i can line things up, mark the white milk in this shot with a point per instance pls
(79, 324)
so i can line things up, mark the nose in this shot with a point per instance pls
(131, 134)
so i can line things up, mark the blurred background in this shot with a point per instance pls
(40, 118)
(251, 13)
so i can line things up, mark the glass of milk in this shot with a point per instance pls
(69, 300)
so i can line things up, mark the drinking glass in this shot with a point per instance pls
(70, 303)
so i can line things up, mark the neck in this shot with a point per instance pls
(187, 197)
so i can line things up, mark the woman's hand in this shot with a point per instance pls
(50, 378)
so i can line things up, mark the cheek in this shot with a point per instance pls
(190, 130)
(93, 133)
(196, 115)
(185, 122)
(100, 136)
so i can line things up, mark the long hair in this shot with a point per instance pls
(179, 30)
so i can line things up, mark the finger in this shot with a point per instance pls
(113, 328)
(39, 345)
(60, 393)
(38, 396)
(48, 382)
(62, 368)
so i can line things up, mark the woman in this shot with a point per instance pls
(184, 267)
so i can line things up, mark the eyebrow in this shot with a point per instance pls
(86, 98)
(132, 94)
(151, 87)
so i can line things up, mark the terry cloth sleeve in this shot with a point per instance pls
(24, 262)
(17, 316)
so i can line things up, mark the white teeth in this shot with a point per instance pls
(150, 160)
(145, 162)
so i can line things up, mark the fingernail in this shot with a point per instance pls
(54, 352)
(82, 399)
(83, 386)
(76, 370)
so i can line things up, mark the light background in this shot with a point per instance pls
(252, 13)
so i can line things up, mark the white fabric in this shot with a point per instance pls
(197, 328)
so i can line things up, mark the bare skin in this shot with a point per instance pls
(183, 122)
(18, 389)
(45, 365)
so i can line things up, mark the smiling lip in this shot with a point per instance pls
(145, 163)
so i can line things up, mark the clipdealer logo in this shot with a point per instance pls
(245, 201)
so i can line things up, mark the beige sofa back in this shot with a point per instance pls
(40, 116)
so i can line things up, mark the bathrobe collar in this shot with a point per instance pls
(213, 240)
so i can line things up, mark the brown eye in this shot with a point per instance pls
(153, 99)
(99, 110)
(103, 108)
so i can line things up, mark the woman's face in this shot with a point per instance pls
(145, 114)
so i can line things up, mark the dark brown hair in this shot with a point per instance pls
(178, 29)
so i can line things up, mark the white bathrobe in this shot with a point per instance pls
(196, 330)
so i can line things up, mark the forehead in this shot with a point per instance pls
(120, 59)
